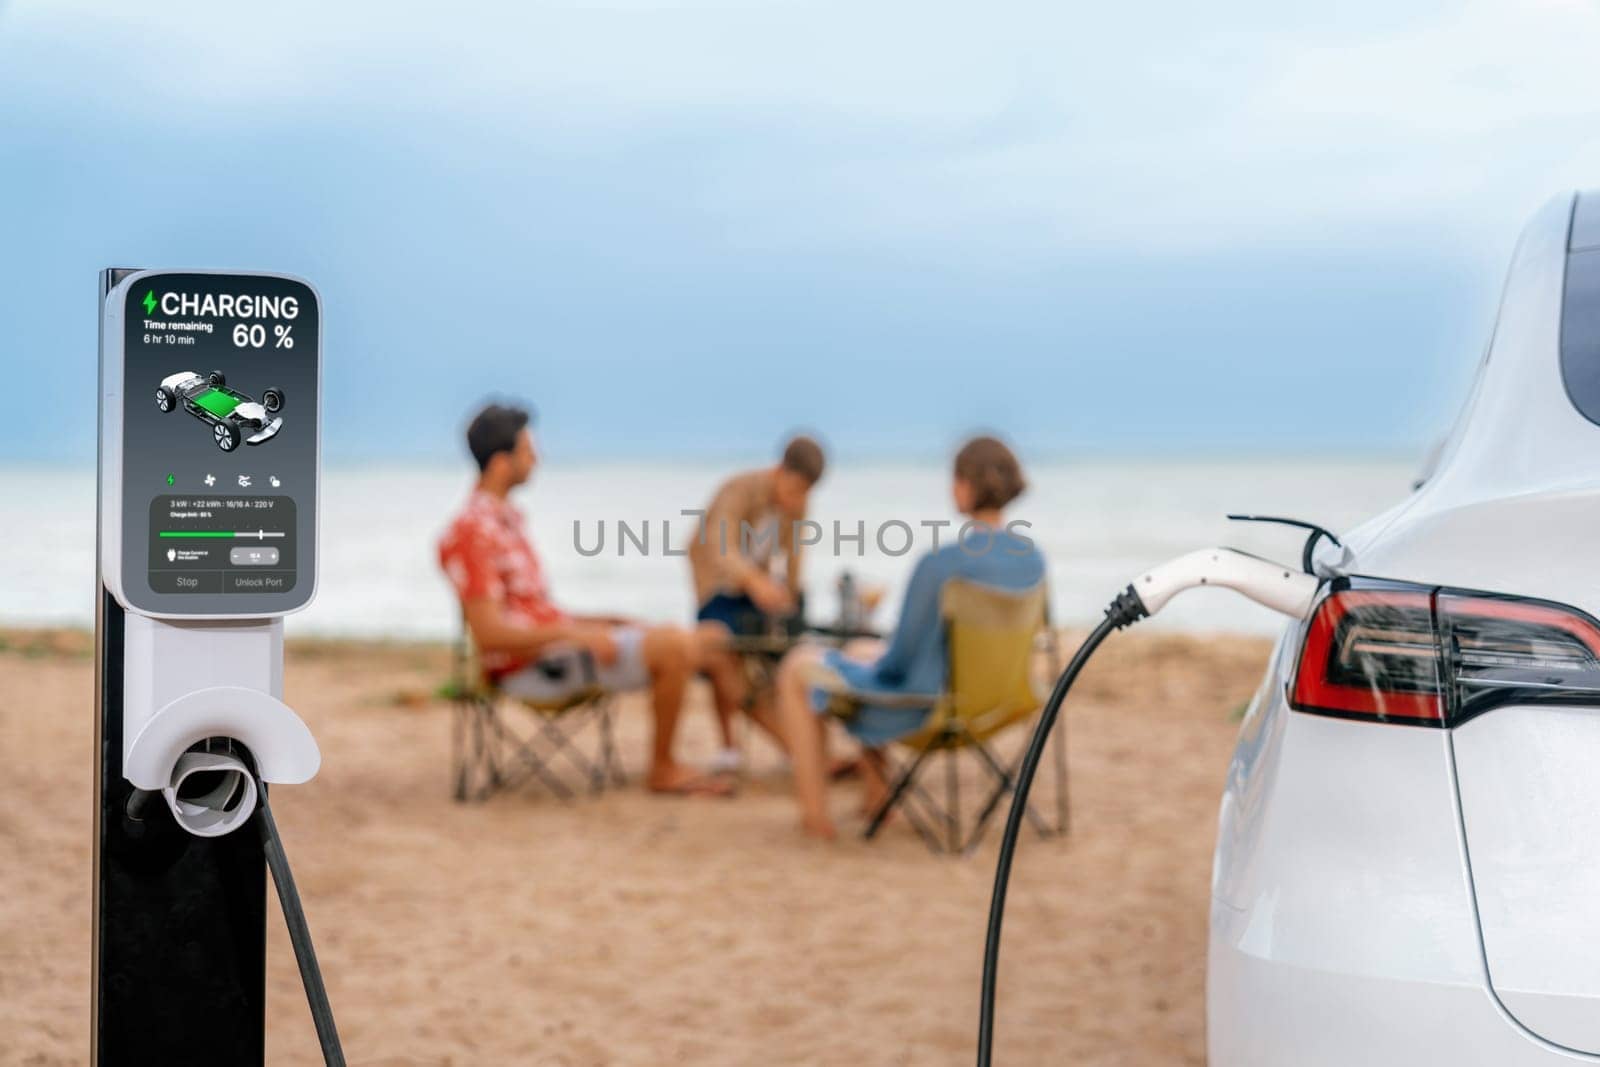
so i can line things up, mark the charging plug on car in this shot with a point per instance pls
(1270, 584)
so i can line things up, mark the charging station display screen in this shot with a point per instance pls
(219, 443)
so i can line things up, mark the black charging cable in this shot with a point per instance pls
(1124, 611)
(294, 915)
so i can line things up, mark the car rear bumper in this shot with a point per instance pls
(1342, 921)
(1265, 1012)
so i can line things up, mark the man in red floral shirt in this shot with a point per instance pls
(530, 647)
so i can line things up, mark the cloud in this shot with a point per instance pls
(1116, 196)
(1051, 122)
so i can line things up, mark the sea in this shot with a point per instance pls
(612, 535)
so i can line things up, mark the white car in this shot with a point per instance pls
(1408, 855)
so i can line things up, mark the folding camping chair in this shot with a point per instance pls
(991, 636)
(498, 741)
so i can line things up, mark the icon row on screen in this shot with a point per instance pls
(244, 481)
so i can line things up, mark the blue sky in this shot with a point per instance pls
(681, 229)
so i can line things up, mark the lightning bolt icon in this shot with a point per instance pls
(150, 302)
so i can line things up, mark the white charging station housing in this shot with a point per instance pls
(146, 352)
(210, 455)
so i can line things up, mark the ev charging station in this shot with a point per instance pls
(210, 417)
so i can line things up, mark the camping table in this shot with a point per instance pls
(759, 653)
(774, 645)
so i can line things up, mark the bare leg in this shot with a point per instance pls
(722, 668)
(805, 731)
(862, 650)
(874, 780)
(668, 653)
(763, 713)
(718, 663)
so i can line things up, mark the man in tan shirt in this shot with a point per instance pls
(752, 515)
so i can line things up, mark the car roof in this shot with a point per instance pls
(1520, 430)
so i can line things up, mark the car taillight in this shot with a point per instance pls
(1372, 654)
(1389, 652)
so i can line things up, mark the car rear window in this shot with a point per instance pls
(217, 402)
(1580, 311)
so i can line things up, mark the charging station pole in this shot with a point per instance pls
(209, 397)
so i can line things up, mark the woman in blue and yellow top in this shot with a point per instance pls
(987, 478)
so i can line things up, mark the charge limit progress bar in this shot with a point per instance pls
(259, 535)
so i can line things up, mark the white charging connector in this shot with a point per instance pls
(1271, 584)
(225, 803)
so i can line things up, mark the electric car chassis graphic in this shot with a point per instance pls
(232, 416)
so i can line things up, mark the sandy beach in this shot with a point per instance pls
(630, 929)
